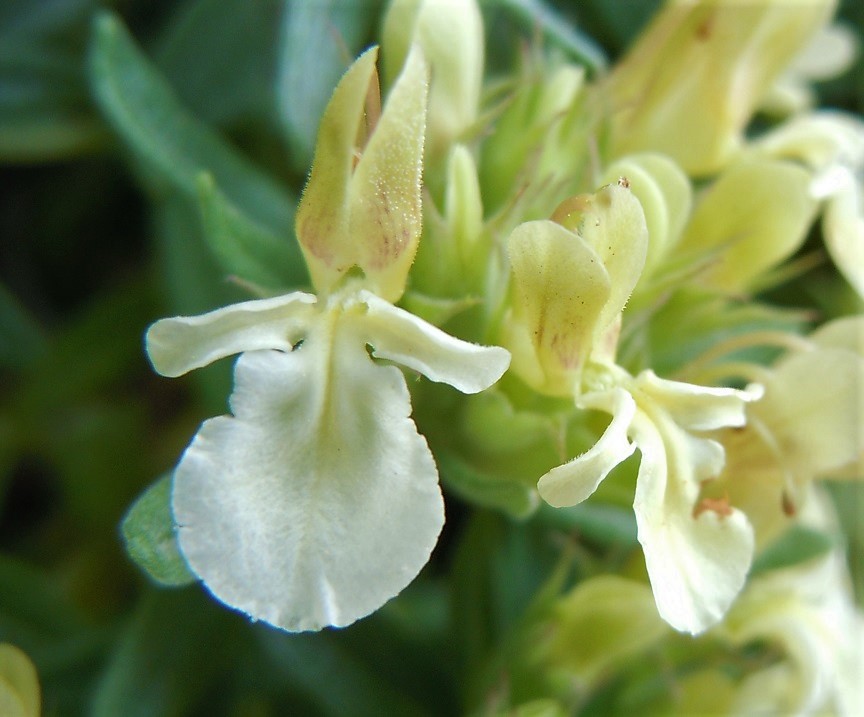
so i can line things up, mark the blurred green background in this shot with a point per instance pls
(102, 231)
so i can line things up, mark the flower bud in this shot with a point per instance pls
(450, 33)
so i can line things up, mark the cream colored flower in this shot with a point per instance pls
(316, 501)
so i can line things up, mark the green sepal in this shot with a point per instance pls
(151, 539)
(598, 522)
(518, 500)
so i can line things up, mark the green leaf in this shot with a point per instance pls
(150, 536)
(96, 345)
(848, 498)
(172, 650)
(220, 57)
(304, 661)
(317, 42)
(45, 109)
(796, 545)
(535, 15)
(242, 247)
(34, 610)
(21, 338)
(498, 570)
(192, 278)
(607, 23)
(173, 146)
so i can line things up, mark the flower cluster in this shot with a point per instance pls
(607, 245)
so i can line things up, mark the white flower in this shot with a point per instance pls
(831, 146)
(569, 289)
(317, 501)
(808, 612)
(697, 552)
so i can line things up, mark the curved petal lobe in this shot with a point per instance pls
(574, 481)
(699, 408)
(183, 343)
(399, 336)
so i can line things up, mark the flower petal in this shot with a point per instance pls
(666, 197)
(697, 560)
(574, 481)
(184, 343)
(384, 199)
(613, 224)
(451, 37)
(323, 214)
(758, 212)
(400, 336)
(317, 501)
(845, 333)
(721, 57)
(698, 408)
(843, 227)
(813, 406)
(807, 611)
(560, 289)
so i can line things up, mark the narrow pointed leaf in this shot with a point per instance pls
(173, 145)
(314, 37)
(243, 247)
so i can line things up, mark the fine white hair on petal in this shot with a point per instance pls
(573, 482)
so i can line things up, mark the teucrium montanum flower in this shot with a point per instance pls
(317, 500)
(807, 612)
(831, 146)
(720, 56)
(569, 289)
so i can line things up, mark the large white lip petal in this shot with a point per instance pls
(317, 501)
(697, 561)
